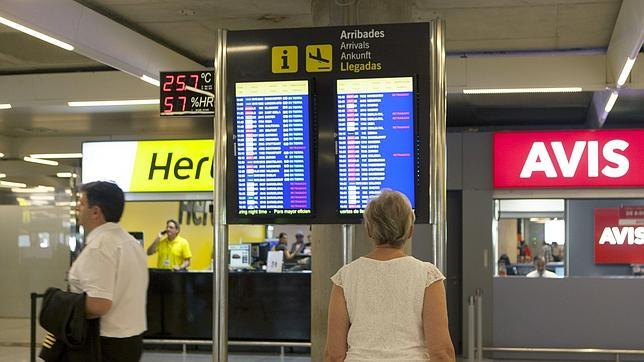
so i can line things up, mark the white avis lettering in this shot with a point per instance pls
(539, 159)
(630, 235)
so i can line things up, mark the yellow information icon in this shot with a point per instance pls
(319, 58)
(284, 59)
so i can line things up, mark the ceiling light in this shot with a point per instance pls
(611, 102)
(626, 70)
(34, 190)
(36, 34)
(129, 102)
(43, 197)
(5, 106)
(1, 155)
(150, 80)
(56, 155)
(522, 90)
(246, 48)
(65, 174)
(3, 175)
(41, 161)
(12, 184)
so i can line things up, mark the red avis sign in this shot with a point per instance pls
(618, 240)
(569, 159)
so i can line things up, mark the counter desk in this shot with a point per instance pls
(261, 306)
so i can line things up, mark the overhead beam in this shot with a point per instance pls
(625, 42)
(587, 71)
(46, 90)
(627, 38)
(96, 36)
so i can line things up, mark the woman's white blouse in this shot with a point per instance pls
(385, 304)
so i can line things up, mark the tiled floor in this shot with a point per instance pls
(21, 354)
(15, 340)
(14, 347)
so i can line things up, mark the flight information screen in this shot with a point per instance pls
(273, 150)
(375, 139)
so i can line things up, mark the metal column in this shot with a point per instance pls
(438, 144)
(220, 268)
(347, 243)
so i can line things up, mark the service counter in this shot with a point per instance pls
(261, 306)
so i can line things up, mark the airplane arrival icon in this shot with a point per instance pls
(319, 58)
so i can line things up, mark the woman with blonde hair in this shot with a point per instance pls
(388, 306)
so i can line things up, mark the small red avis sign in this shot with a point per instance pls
(569, 159)
(618, 240)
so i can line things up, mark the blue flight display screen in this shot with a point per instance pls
(273, 150)
(375, 140)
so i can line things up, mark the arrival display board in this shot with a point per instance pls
(573, 159)
(273, 151)
(375, 139)
(368, 117)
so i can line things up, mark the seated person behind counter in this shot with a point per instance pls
(283, 246)
(294, 259)
(540, 270)
(298, 246)
(174, 251)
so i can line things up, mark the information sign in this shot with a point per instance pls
(368, 123)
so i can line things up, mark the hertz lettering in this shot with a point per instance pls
(182, 168)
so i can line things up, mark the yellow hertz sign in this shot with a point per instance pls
(151, 166)
(173, 166)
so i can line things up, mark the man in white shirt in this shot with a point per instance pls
(540, 270)
(112, 271)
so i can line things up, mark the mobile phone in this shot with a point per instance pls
(164, 232)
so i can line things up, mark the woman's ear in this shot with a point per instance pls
(367, 228)
(411, 232)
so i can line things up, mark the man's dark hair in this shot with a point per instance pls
(280, 235)
(107, 196)
(176, 224)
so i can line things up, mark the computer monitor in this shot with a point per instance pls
(138, 235)
(262, 251)
(239, 256)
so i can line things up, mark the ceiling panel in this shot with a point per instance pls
(20, 53)
(113, 123)
(586, 25)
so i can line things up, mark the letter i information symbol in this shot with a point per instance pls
(284, 59)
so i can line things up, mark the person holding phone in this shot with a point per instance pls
(174, 251)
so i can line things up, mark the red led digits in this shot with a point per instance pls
(183, 105)
(195, 77)
(167, 84)
(182, 93)
(167, 103)
(180, 82)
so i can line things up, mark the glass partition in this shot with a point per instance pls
(530, 237)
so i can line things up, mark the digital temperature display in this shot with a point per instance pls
(187, 93)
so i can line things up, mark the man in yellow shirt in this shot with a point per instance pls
(174, 251)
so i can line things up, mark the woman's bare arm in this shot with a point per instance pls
(338, 327)
(435, 326)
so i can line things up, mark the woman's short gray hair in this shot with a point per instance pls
(389, 218)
